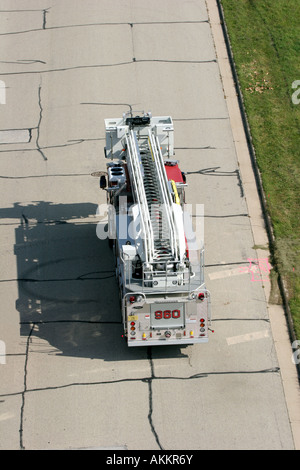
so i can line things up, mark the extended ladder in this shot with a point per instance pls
(134, 165)
(159, 197)
(152, 194)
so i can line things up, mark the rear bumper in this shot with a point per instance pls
(166, 342)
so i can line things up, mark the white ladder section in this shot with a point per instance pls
(165, 199)
(151, 190)
(134, 168)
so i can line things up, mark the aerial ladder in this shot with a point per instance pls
(163, 296)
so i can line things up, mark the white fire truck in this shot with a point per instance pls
(161, 277)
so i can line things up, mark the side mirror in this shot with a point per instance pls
(103, 182)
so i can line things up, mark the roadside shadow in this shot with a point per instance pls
(67, 291)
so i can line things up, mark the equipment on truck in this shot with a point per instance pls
(161, 278)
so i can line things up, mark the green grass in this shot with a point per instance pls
(265, 39)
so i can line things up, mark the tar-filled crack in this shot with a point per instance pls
(23, 61)
(116, 64)
(88, 25)
(214, 172)
(57, 175)
(223, 216)
(150, 392)
(237, 263)
(200, 375)
(73, 142)
(88, 322)
(148, 380)
(45, 11)
(70, 279)
(23, 394)
(39, 125)
(110, 104)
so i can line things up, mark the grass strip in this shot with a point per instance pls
(265, 40)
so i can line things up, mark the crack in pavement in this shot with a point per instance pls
(148, 380)
(73, 142)
(44, 12)
(23, 61)
(87, 25)
(57, 175)
(200, 375)
(213, 171)
(39, 125)
(150, 393)
(117, 64)
(24, 390)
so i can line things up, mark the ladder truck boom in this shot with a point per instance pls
(163, 296)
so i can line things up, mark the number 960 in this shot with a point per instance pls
(167, 314)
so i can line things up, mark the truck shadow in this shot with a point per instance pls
(67, 290)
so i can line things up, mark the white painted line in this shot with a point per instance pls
(247, 337)
(15, 136)
(6, 416)
(228, 273)
(2, 92)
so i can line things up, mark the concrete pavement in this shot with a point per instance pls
(69, 380)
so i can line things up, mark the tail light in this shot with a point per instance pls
(135, 298)
(201, 296)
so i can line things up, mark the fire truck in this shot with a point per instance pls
(159, 270)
